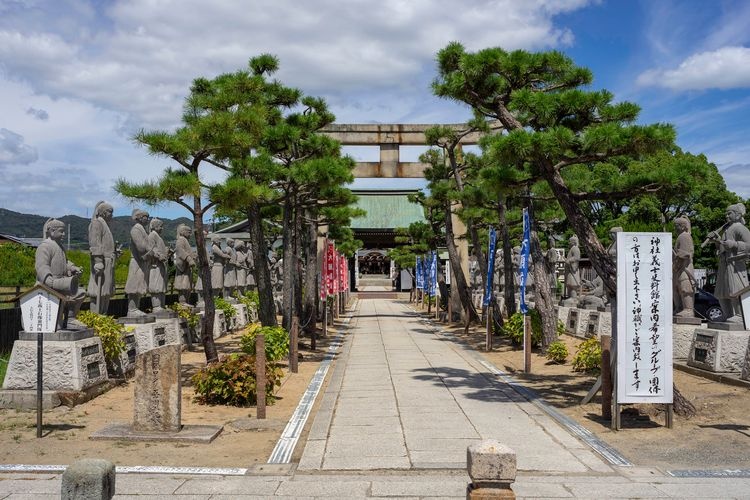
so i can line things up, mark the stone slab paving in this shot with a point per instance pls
(415, 401)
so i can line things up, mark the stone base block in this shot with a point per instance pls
(26, 399)
(187, 434)
(577, 321)
(67, 365)
(220, 324)
(90, 478)
(63, 335)
(172, 333)
(745, 375)
(147, 335)
(718, 350)
(682, 340)
(252, 314)
(240, 318)
(727, 326)
(489, 493)
(686, 320)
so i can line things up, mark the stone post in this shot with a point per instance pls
(158, 390)
(90, 479)
(492, 468)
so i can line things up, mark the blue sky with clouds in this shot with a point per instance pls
(78, 78)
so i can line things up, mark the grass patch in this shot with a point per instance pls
(4, 357)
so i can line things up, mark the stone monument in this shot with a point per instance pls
(157, 409)
(103, 256)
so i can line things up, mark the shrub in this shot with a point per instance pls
(108, 330)
(557, 352)
(186, 313)
(276, 342)
(588, 356)
(229, 310)
(250, 299)
(231, 381)
(514, 328)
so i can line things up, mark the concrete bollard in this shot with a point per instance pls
(89, 479)
(492, 469)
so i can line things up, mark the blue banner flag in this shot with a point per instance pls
(490, 267)
(418, 274)
(433, 274)
(524, 266)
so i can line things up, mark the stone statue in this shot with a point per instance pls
(230, 270)
(241, 257)
(54, 270)
(103, 255)
(572, 272)
(184, 262)
(734, 249)
(593, 295)
(250, 263)
(219, 258)
(499, 278)
(683, 280)
(140, 263)
(157, 278)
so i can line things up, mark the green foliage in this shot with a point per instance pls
(232, 381)
(4, 358)
(250, 299)
(108, 330)
(276, 342)
(16, 265)
(557, 352)
(222, 305)
(514, 328)
(588, 357)
(186, 312)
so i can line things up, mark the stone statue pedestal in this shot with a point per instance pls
(147, 334)
(240, 319)
(686, 320)
(220, 325)
(73, 361)
(171, 323)
(718, 350)
(682, 340)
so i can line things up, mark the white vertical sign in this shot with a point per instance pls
(40, 310)
(644, 318)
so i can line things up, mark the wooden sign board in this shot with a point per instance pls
(41, 309)
(644, 318)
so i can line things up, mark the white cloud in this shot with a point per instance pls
(13, 150)
(724, 68)
(737, 177)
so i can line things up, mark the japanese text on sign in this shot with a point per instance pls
(644, 318)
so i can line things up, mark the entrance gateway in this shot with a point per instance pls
(388, 209)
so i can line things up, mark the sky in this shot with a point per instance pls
(79, 78)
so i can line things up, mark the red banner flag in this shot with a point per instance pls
(342, 273)
(330, 268)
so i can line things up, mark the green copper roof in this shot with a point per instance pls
(386, 211)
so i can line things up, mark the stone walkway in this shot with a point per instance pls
(401, 397)
(401, 407)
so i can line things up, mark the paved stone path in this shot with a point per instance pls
(401, 407)
(401, 397)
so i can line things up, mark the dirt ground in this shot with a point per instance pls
(718, 437)
(244, 441)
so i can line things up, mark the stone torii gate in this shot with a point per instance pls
(390, 137)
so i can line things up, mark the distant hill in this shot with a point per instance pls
(30, 226)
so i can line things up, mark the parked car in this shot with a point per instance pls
(707, 306)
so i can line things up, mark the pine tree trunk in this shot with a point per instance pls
(310, 305)
(297, 275)
(204, 268)
(287, 264)
(543, 300)
(262, 274)
(682, 406)
(458, 279)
